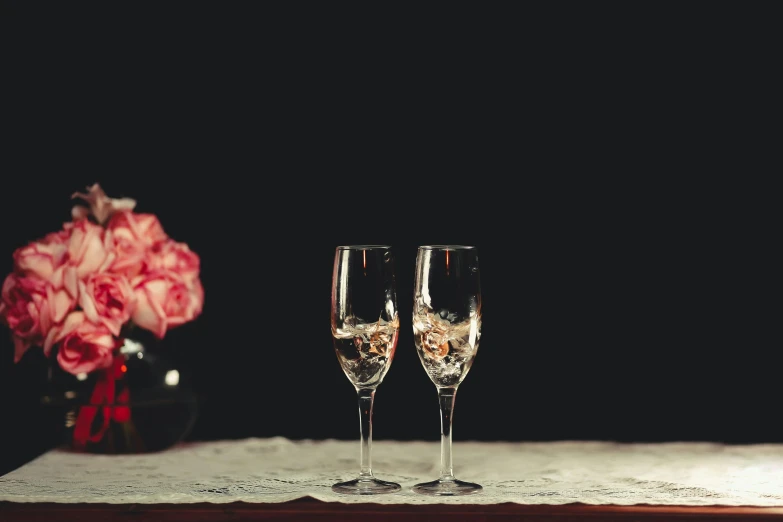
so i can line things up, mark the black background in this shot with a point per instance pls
(627, 282)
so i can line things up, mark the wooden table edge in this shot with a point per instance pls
(310, 508)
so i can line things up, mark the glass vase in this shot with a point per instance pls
(141, 403)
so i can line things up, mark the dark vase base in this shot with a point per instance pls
(140, 404)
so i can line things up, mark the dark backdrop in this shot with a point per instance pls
(624, 298)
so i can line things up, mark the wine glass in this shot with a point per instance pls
(446, 330)
(364, 330)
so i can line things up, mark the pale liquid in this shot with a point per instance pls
(446, 349)
(366, 350)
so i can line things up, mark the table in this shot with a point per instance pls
(279, 479)
(310, 509)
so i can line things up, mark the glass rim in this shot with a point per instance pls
(363, 247)
(447, 247)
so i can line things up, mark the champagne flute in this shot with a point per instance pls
(365, 326)
(446, 330)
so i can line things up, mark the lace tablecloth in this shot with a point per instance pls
(279, 470)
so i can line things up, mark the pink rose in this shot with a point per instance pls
(130, 257)
(31, 307)
(144, 229)
(130, 236)
(86, 248)
(48, 259)
(41, 258)
(84, 346)
(177, 257)
(22, 306)
(23, 300)
(165, 299)
(107, 299)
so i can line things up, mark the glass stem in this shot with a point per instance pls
(366, 398)
(446, 397)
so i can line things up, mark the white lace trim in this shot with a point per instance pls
(279, 470)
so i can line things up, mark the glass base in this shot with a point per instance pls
(447, 488)
(365, 486)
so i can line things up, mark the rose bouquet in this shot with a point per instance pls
(76, 292)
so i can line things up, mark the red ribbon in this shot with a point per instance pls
(103, 397)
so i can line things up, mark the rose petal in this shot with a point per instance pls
(72, 322)
(113, 325)
(94, 256)
(148, 316)
(108, 262)
(20, 347)
(38, 264)
(71, 281)
(50, 341)
(46, 319)
(87, 304)
(57, 277)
